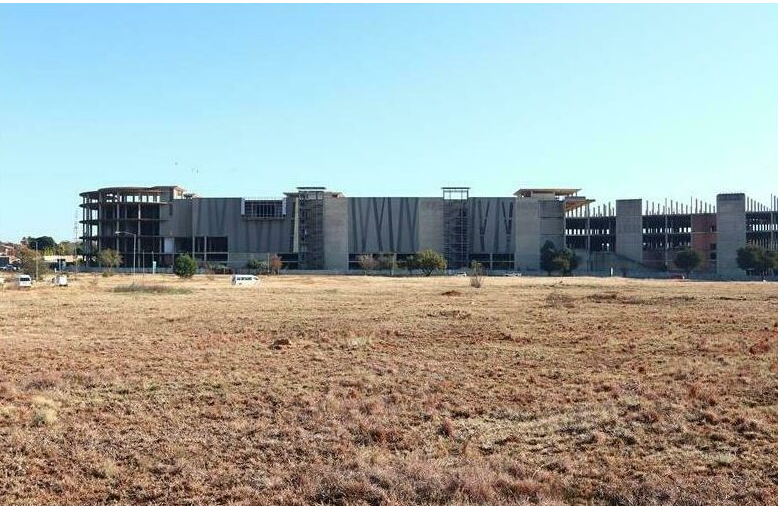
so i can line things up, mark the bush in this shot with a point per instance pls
(218, 269)
(256, 265)
(410, 263)
(554, 260)
(476, 274)
(152, 288)
(429, 261)
(387, 262)
(109, 259)
(367, 262)
(276, 264)
(185, 266)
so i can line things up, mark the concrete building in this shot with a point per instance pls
(313, 228)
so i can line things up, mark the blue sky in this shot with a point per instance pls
(623, 101)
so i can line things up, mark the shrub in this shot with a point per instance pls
(44, 416)
(185, 266)
(387, 262)
(109, 259)
(429, 261)
(547, 254)
(155, 288)
(218, 269)
(410, 263)
(259, 266)
(275, 264)
(476, 274)
(554, 260)
(367, 262)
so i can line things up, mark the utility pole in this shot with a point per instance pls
(36, 260)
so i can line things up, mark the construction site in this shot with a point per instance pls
(316, 229)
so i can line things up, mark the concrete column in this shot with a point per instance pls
(335, 230)
(536, 221)
(730, 232)
(629, 229)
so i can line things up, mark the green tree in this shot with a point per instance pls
(571, 260)
(42, 243)
(185, 266)
(547, 254)
(771, 259)
(429, 261)
(32, 262)
(755, 259)
(109, 258)
(67, 248)
(687, 260)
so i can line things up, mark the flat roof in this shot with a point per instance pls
(557, 192)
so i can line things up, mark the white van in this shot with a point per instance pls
(24, 281)
(244, 279)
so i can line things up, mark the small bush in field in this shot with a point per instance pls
(185, 266)
(44, 416)
(476, 274)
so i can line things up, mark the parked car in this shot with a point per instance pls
(513, 273)
(24, 281)
(10, 267)
(244, 279)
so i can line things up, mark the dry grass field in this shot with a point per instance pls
(390, 391)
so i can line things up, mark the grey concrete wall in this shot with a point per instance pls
(491, 224)
(731, 232)
(431, 224)
(537, 220)
(335, 230)
(629, 229)
(247, 238)
(383, 224)
(177, 219)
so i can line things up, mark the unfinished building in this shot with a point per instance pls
(313, 228)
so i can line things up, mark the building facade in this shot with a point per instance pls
(314, 228)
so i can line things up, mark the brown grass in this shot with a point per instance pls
(369, 390)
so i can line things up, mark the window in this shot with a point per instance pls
(264, 208)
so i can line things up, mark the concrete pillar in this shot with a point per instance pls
(536, 221)
(629, 229)
(335, 230)
(730, 232)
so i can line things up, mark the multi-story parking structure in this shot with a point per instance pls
(314, 228)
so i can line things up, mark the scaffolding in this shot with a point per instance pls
(456, 244)
(310, 224)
